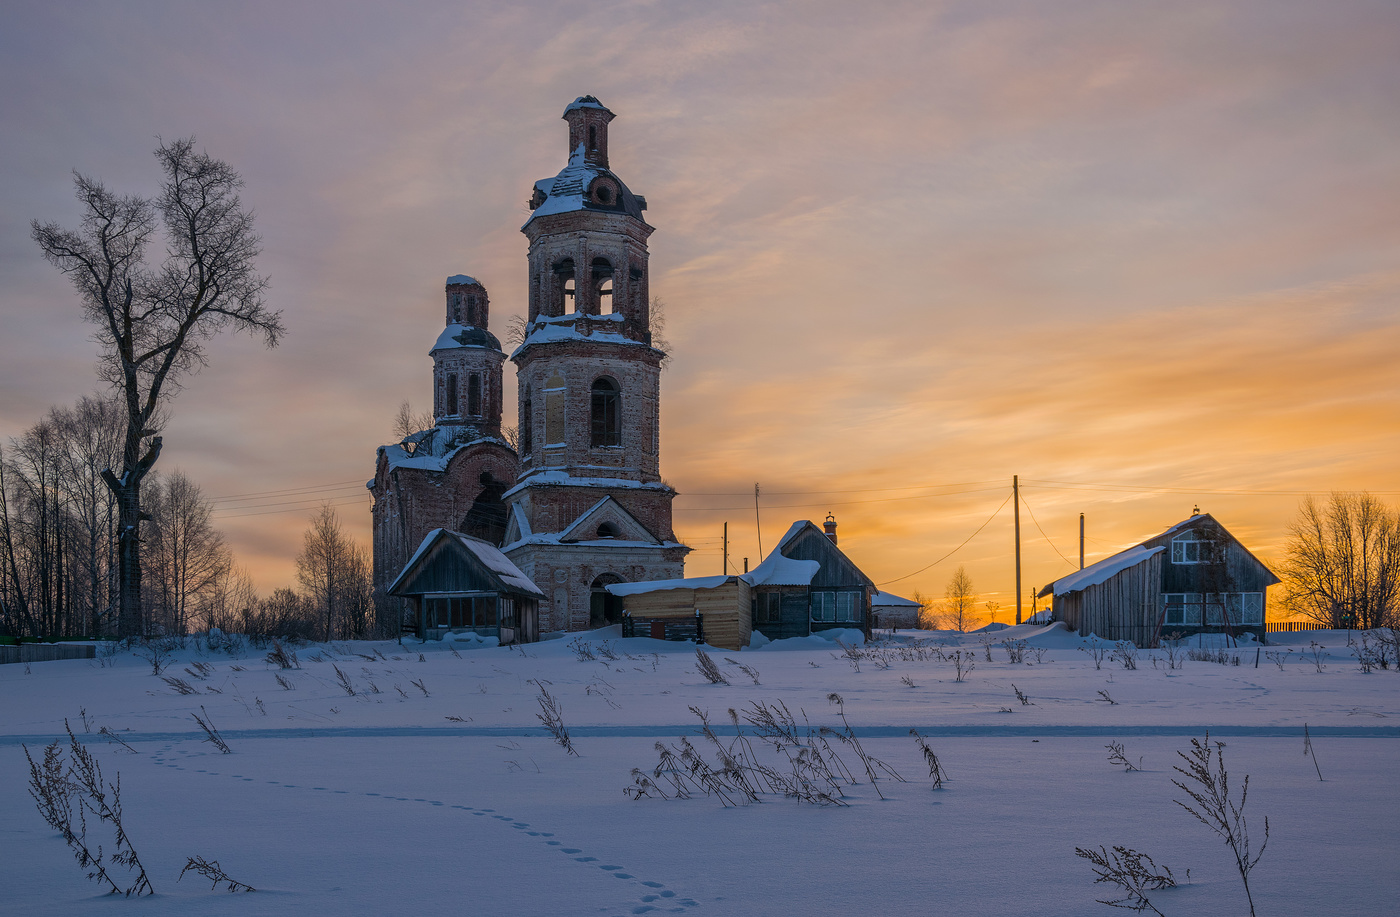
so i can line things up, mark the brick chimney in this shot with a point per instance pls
(830, 527)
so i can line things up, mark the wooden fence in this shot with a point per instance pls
(1294, 627)
(46, 652)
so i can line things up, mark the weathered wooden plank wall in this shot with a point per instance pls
(726, 610)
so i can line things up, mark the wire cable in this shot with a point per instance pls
(955, 550)
(1045, 536)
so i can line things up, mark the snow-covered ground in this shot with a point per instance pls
(458, 802)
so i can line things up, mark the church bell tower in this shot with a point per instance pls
(589, 508)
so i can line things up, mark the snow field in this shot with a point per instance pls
(377, 803)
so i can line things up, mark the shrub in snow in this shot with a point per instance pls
(708, 670)
(210, 869)
(63, 790)
(553, 718)
(1131, 871)
(1208, 786)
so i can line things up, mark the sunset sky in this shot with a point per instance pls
(1145, 256)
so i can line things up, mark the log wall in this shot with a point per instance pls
(726, 610)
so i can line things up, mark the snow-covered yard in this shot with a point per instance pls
(451, 798)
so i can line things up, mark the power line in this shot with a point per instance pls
(291, 509)
(955, 550)
(830, 503)
(1150, 488)
(1045, 536)
(288, 492)
(876, 490)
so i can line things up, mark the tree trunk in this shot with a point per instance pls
(127, 490)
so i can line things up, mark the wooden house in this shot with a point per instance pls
(892, 611)
(458, 584)
(805, 585)
(1193, 577)
(713, 608)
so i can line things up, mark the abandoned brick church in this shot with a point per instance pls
(579, 504)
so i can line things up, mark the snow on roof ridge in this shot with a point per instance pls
(664, 585)
(778, 569)
(1101, 572)
(456, 279)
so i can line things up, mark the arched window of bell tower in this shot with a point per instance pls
(450, 407)
(606, 413)
(565, 284)
(527, 423)
(602, 271)
(593, 137)
(456, 304)
(471, 310)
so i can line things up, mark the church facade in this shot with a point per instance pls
(579, 504)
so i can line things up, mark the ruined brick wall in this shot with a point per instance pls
(411, 502)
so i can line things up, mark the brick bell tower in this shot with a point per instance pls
(467, 361)
(589, 508)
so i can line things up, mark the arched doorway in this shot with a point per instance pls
(604, 608)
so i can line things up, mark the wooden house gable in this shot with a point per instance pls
(446, 566)
(1185, 570)
(807, 542)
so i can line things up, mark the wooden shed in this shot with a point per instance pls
(1193, 577)
(458, 584)
(715, 606)
(808, 584)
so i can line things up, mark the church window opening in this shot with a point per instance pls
(606, 413)
(592, 137)
(456, 302)
(471, 310)
(527, 423)
(603, 285)
(564, 280)
(608, 530)
(474, 395)
(451, 406)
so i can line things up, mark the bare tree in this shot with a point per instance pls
(186, 557)
(153, 324)
(408, 421)
(1342, 567)
(959, 600)
(930, 615)
(335, 572)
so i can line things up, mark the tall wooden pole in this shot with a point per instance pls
(758, 523)
(725, 569)
(1016, 498)
(1081, 541)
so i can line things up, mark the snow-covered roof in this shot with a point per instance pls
(662, 585)
(563, 478)
(456, 279)
(890, 600)
(489, 555)
(498, 563)
(434, 448)
(779, 570)
(586, 102)
(576, 327)
(1094, 574)
(458, 335)
(552, 539)
(568, 191)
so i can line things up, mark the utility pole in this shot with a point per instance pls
(1016, 498)
(1081, 541)
(758, 523)
(725, 569)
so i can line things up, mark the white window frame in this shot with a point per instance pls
(823, 606)
(1187, 549)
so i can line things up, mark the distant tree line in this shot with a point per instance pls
(59, 561)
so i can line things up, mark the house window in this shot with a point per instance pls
(450, 407)
(847, 608)
(769, 608)
(1190, 548)
(474, 395)
(606, 413)
(823, 606)
(1183, 609)
(1190, 609)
